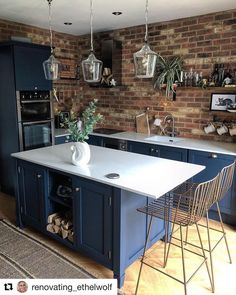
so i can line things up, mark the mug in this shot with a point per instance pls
(209, 128)
(222, 130)
(232, 131)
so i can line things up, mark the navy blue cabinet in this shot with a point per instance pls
(95, 140)
(214, 162)
(28, 62)
(31, 195)
(166, 152)
(62, 139)
(94, 216)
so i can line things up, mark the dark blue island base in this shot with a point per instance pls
(106, 225)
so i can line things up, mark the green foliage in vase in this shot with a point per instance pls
(167, 72)
(80, 132)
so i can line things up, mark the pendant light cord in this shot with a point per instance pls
(91, 24)
(50, 23)
(146, 19)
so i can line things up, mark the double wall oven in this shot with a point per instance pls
(35, 119)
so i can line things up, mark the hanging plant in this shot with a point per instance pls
(167, 72)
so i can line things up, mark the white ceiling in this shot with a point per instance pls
(35, 12)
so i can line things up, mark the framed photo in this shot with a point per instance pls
(68, 68)
(221, 101)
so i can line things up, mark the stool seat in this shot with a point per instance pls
(166, 206)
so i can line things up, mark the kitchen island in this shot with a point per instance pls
(106, 225)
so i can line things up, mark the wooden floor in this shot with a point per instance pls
(153, 282)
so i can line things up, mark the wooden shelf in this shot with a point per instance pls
(60, 201)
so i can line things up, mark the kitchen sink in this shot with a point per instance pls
(164, 139)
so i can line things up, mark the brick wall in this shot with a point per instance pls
(202, 41)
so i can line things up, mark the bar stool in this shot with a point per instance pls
(184, 207)
(226, 176)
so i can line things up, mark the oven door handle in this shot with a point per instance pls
(35, 100)
(35, 122)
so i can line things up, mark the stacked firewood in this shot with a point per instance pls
(61, 224)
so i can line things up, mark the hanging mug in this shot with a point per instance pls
(232, 131)
(222, 130)
(209, 128)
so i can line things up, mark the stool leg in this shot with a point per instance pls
(168, 250)
(183, 263)
(186, 236)
(210, 253)
(223, 230)
(144, 250)
(204, 255)
(166, 223)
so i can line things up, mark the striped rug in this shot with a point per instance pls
(23, 256)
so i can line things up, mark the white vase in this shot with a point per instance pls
(80, 153)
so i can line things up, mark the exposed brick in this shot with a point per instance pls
(205, 19)
(202, 41)
(182, 29)
(223, 16)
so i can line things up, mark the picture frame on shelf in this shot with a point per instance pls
(221, 101)
(68, 68)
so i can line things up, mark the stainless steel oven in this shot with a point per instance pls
(35, 119)
(36, 134)
(34, 106)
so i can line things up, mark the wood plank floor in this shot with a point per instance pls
(153, 282)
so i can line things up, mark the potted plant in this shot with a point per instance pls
(79, 129)
(167, 72)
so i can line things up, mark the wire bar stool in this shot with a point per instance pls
(184, 207)
(226, 177)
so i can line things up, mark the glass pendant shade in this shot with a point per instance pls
(145, 62)
(51, 68)
(92, 69)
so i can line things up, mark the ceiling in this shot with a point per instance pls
(35, 12)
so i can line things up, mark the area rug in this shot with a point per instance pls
(23, 256)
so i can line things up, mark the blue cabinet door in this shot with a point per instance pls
(138, 147)
(29, 74)
(95, 140)
(166, 152)
(95, 220)
(31, 194)
(173, 153)
(214, 163)
(62, 139)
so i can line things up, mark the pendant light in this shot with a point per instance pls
(51, 66)
(92, 67)
(145, 58)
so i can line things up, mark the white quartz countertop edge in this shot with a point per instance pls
(143, 175)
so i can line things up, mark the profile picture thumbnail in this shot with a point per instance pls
(22, 287)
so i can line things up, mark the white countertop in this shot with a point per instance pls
(185, 143)
(140, 174)
(60, 132)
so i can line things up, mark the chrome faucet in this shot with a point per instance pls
(167, 120)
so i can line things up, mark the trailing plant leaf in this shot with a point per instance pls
(88, 118)
(166, 73)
